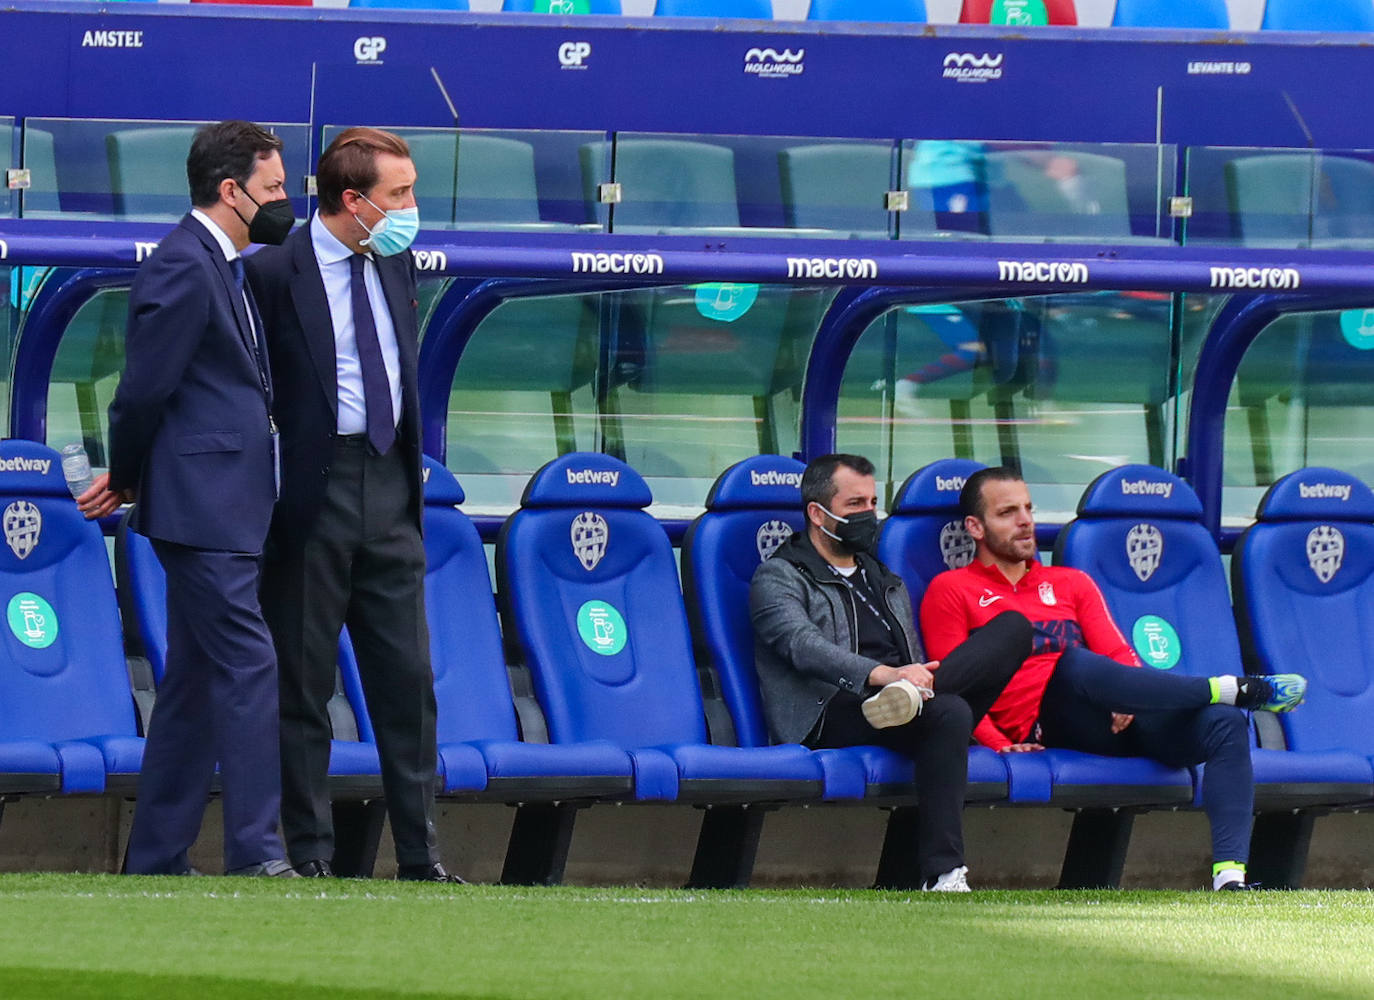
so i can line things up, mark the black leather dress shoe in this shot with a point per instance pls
(427, 873)
(315, 869)
(275, 868)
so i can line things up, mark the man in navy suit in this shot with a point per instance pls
(192, 440)
(338, 301)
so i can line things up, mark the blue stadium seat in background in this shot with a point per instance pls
(665, 183)
(888, 11)
(1171, 14)
(559, 6)
(589, 589)
(839, 186)
(1300, 198)
(761, 10)
(148, 171)
(1323, 15)
(66, 715)
(1160, 572)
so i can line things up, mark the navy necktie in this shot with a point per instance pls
(381, 423)
(236, 266)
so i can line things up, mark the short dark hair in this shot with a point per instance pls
(818, 481)
(225, 150)
(350, 164)
(971, 502)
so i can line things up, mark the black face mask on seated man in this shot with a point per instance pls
(855, 533)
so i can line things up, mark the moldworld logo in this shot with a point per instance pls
(770, 63)
(965, 67)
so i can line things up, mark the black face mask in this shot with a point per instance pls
(273, 221)
(855, 533)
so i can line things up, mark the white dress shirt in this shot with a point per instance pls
(333, 257)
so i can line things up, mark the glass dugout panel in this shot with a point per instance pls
(508, 180)
(679, 382)
(1301, 397)
(134, 170)
(1063, 387)
(85, 372)
(1286, 198)
(1037, 192)
(735, 185)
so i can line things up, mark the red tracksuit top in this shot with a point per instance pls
(1063, 604)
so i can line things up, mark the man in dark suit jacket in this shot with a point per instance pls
(338, 301)
(192, 440)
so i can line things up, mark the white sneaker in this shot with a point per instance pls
(954, 880)
(895, 704)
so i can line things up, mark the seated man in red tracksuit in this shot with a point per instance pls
(1080, 688)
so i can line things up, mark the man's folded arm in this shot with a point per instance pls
(778, 611)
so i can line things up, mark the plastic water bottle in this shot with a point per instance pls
(76, 469)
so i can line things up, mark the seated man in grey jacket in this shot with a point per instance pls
(839, 661)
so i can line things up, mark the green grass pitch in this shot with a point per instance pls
(89, 936)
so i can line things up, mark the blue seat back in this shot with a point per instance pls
(1171, 14)
(470, 680)
(1303, 576)
(1139, 535)
(1328, 15)
(752, 508)
(756, 9)
(867, 10)
(924, 535)
(590, 589)
(142, 597)
(62, 670)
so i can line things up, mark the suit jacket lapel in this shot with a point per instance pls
(312, 309)
(226, 276)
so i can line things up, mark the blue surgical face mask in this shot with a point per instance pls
(394, 232)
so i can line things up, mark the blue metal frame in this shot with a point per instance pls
(1235, 328)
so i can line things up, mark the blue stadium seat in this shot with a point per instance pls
(1328, 15)
(148, 171)
(1303, 577)
(481, 754)
(590, 592)
(761, 10)
(1139, 534)
(561, 6)
(840, 186)
(1171, 14)
(894, 11)
(66, 715)
(354, 769)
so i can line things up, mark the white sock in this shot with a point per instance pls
(1225, 689)
(1226, 876)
